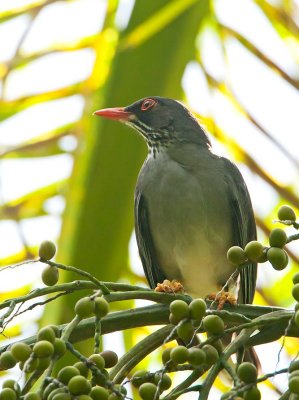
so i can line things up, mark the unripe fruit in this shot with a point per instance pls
(8, 394)
(97, 360)
(247, 372)
(64, 396)
(179, 309)
(46, 333)
(102, 378)
(278, 258)
(84, 307)
(21, 351)
(83, 369)
(66, 373)
(294, 366)
(166, 355)
(179, 354)
(213, 324)
(137, 378)
(55, 392)
(50, 276)
(295, 292)
(197, 309)
(147, 391)
(211, 354)
(32, 396)
(164, 381)
(43, 363)
(101, 307)
(173, 320)
(43, 348)
(294, 385)
(236, 255)
(277, 238)
(295, 278)
(254, 250)
(286, 213)
(59, 347)
(185, 332)
(110, 358)
(99, 393)
(79, 385)
(12, 384)
(252, 394)
(7, 360)
(47, 250)
(196, 357)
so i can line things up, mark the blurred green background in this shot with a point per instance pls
(69, 177)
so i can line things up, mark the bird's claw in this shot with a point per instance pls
(222, 298)
(170, 287)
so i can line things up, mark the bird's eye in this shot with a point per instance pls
(147, 104)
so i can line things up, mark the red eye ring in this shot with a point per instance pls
(147, 104)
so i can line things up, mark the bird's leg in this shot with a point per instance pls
(222, 298)
(170, 287)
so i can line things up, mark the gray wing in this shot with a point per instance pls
(153, 272)
(244, 227)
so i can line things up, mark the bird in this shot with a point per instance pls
(191, 205)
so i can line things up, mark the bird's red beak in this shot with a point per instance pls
(118, 114)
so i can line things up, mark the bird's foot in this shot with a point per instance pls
(222, 298)
(170, 287)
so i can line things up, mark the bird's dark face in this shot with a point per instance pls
(159, 120)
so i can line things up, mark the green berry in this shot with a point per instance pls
(197, 309)
(252, 394)
(147, 391)
(185, 332)
(8, 394)
(102, 378)
(254, 250)
(277, 238)
(59, 347)
(247, 372)
(211, 354)
(294, 385)
(166, 355)
(50, 276)
(236, 255)
(46, 333)
(67, 373)
(294, 366)
(32, 396)
(110, 358)
(139, 377)
(43, 363)
(179, 354)
(12, 384)
(101, 307)
(7, 360)
(99, 393)
(179, 309)
(79, 385)
(196, 357)
(56, 392)
(278, 258)
(295, 293)
(47, 250)
(173, 320)
(213, 324)
(164, 381)
(97, 360)
(84, 307)
(43, 348)
(295, 278)
(82, 367)
(21, 351)
(286, 213)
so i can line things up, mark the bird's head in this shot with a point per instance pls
(160, 121)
